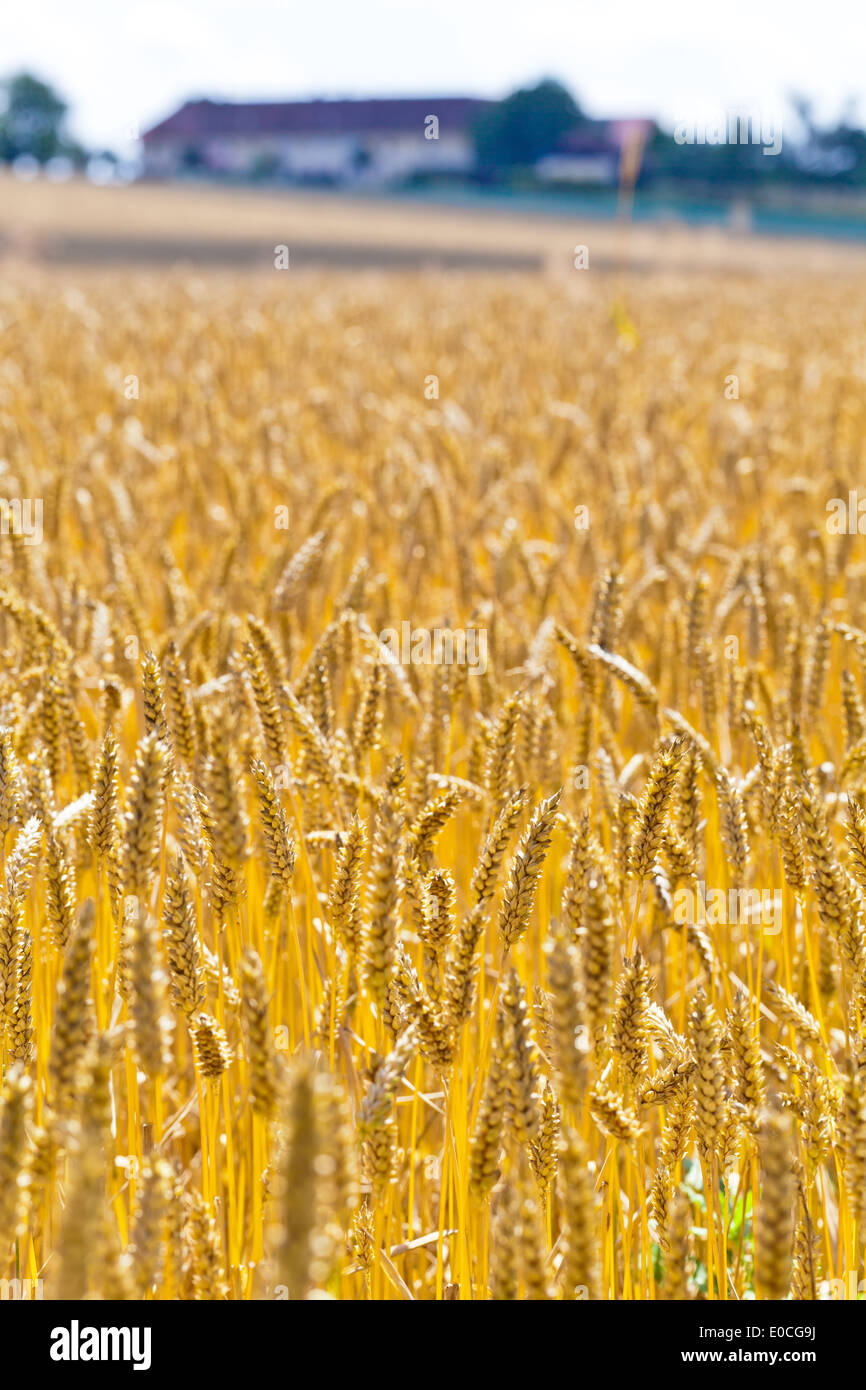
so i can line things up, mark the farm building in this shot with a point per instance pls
(373, 142)
(596, 152)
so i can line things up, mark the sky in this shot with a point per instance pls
(125, 66)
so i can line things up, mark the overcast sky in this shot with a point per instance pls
(126, 65)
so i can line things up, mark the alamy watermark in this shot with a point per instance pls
(716, 907)
(847, 517)
(737, 127)
(437, 646)
(849, 1288)
(18, 1290)
(77, 1343)
(22, 516)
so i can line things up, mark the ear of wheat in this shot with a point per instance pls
(432, 833)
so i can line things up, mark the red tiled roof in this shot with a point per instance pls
(396, 115)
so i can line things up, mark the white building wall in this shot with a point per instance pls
(395, 156)
(318, 154)
(161, 158)
(389, 157)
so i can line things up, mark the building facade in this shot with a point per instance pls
(373, 142)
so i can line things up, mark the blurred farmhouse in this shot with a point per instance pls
(373, 142)
(378, 142)
(595, 152)
(536, 140)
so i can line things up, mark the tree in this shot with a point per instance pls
(32, 119)
(526, 125)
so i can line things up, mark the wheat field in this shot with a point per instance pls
(432, 735)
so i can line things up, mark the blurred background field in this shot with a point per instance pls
(464, 140)
(78, 224)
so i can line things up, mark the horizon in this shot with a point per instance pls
(622, 62)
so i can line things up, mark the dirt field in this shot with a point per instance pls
(78, 224)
